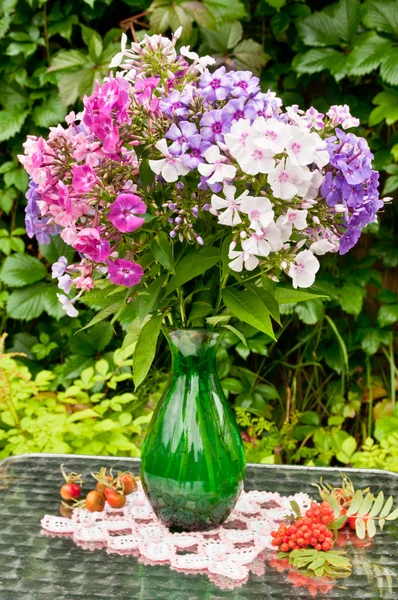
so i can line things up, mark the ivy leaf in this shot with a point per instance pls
(249, 308)
(11, 121)
(20, 269)
(389, 67)
(27, 303)
(367, 53)
(145, 349)
(190, 266)
(388, 314)
(381, 15)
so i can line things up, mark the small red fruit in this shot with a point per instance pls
(70, 491)
(128, 483)
(114, 499)
(95, 501)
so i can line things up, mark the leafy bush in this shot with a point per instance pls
(332, 374)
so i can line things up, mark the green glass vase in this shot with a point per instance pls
(193, 464)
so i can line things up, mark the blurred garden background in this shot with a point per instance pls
(325, 393)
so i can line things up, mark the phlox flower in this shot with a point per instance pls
(322, 246)
(67, 305)
(59, 267)
(286, 178)
(124, 272)
(259, 211)
(258, 245)
(272, 134)
(304, 269)
(340, 115)
(84, 283)
(302, 145)
(65, 283)
(123, 211)
(295, 218)
(244, 83)
(89, 241)
(216, 170)
(170, 167)
(214, 124)
(180, 136)
(217, 85)
(230, 216)
(239, 137)
(83, 178)
(253, 160)
(239, 109)
(314, 118)
(273, 235)
(242, 257)
(194, 154)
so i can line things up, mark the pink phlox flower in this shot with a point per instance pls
(341, 115)
(83, 177)
(84, 283)
(90, 242)
(123, 211)
(124, 272)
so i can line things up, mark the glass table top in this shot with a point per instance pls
(34, 566)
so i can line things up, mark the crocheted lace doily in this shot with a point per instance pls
(226, 554)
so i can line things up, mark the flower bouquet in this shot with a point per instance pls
(188, 195)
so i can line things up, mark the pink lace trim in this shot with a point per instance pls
(227, 554)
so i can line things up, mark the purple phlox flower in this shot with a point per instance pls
(205, 185)
(65, 283)
(353, 194)
(173, 104)
(36, 225)
(123, 211)
(89, 242)
(244, 83)
(59, 267)
(181, 136)
(267, 105)
(349, 239)
(217, 85)
(194, 155)
(331, 188)
(238, 109)
(124, 272)
(213, 125)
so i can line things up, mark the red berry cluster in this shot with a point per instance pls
(310, 530)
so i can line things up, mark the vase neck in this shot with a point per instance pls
(193, 348)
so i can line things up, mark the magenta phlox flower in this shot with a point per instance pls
(244, 83)
(181, 136)
(83, 177)
(217, 85)
(106, 130)
(124, 272)
(239, 108)
(89, 242)
(123, 211)
(214, 124)
(314, 118)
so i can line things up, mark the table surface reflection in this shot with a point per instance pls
(37, 567)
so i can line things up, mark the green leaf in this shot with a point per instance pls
(385, 427)
(49, 113)
(388, 314)
(11, 121)
(377, 506)
(381, 15)
(366, 505)
(56, 248)
(319, 59)
(295, 508)
(201, 13)
(355, 504)
(27, 303)
(146, 303)
(146, 174)
(236, 332)
(392, 516)
(199, 310)
(89, 343)
(370, 528)
(360, 528)
(20, 269)
(226, 10)
(351, 298)
(192, 265)
(370, 342)
(52, 305)
(7, 197)
(348, 448)
(389, 67)
(66, 59)
(162, 251)
(103, 314)
(248, 307)
(319, 29)
(145, 349)
(226, 36)
(276, 3)
(391, 184)
(289, 295)
(348, 17)
(250, 55)
(73, 85)
(387, 508)
(367, 53)
(310, 311)
(17, 177)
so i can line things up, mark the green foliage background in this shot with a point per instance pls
(326, 392)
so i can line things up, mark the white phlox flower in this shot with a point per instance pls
(287, 180)
(242, 257)
(273, 235)
(58, 268)
(258, 245)
(170, 167)
(301, 146)
(230, 216)
(271, 134)
(67, 306)
(303, 269)
(253, 160)
(259, 210)
(117, 59)
(321, 247)
(239, 137)
(217, 171)
(316, 181)
(296, 218)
